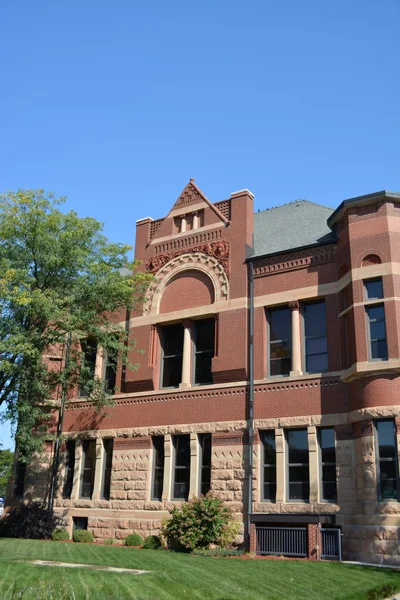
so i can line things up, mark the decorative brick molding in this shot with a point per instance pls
(191, 240)
(143, 443)
(224, 208)
(229, 439)
(363, 428)
(344, 432)
(212, 259)
(155, 226)
(301, 259)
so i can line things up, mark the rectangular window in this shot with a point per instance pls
(373, 289)
(316, 347)
(88, 468)
(172, 343)
(108, 446)
(181, 467)
(377, 332)
(19, 484)
(269, 465)
(298, 465)
(69, 468)
(280, 341)
(328, 463)
(387, 461)
(88, 365)
(158, 467)
(205, 462)
(79, 523)
(204, 338)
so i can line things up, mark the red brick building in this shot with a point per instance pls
(269, 370)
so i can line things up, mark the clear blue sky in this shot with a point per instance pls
(117, 104)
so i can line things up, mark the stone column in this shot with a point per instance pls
(313, 463)
(167, 492)
(183, 224)
(77, 470)
(280, 465)
(194, 466)
(195, 220)
(98, 473)
(296, 340)
(187, 355)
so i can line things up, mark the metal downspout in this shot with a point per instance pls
(251, 394)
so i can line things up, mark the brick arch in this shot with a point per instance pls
(196, 261)
(187, 289)
(370, 259)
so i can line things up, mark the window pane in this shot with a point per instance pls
(204, 334)
(316, 345)
(376, 313)
(270, 492)
(172, 371)
(270, 474)
(378, 330)
(203, 370)
(388, 488)
(280, 366)
(268, 441)
(329, 490)
(158, 474)
(298, 445)
(173, 340)
(88, 468)
(327, 443)
(373, 289)
(379, 349)
(316, 363)
(386, 439)
(280, 324)
(315, 319)
(299, 491)
(182, 451)
(279, 350)
(205, 462)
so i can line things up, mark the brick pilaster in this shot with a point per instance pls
(253, 539)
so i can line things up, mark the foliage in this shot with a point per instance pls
(60, 534)
(134, 539)
(58, 275)
(220, 552)
(82, 536)
(199, 523)
(152, 542)
(385, 591)
(108, 542)
(31, 520)
(6, 462)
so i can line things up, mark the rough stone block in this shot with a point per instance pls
(233, 485)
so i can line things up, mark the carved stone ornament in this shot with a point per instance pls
(207, 262)
(291, 261)
(219, 250)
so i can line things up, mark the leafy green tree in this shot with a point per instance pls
(6, 461)
(60, 280)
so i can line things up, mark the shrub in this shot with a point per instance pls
(152, 542)
(83, 536)
(134, 539)
(199, 523)
(222, 552)
(60, 534)
(108, 542)
(31, 521)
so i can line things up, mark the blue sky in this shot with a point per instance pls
(117, 104)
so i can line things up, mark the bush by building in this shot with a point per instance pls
(134, 539)
(83, 536)
(60, 534)
(30, 521)
(152, 542)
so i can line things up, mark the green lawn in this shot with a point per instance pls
(176, 575)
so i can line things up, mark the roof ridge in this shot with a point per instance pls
(294, 202)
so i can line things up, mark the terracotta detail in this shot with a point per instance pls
(155, 226)
(219, 250)
(132, 444)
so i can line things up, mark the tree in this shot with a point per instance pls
(6, 461)
(61, 282)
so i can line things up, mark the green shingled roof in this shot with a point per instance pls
(300, 223)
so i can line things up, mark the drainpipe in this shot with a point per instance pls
(251, 393)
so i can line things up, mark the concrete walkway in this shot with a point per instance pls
(52, 563)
